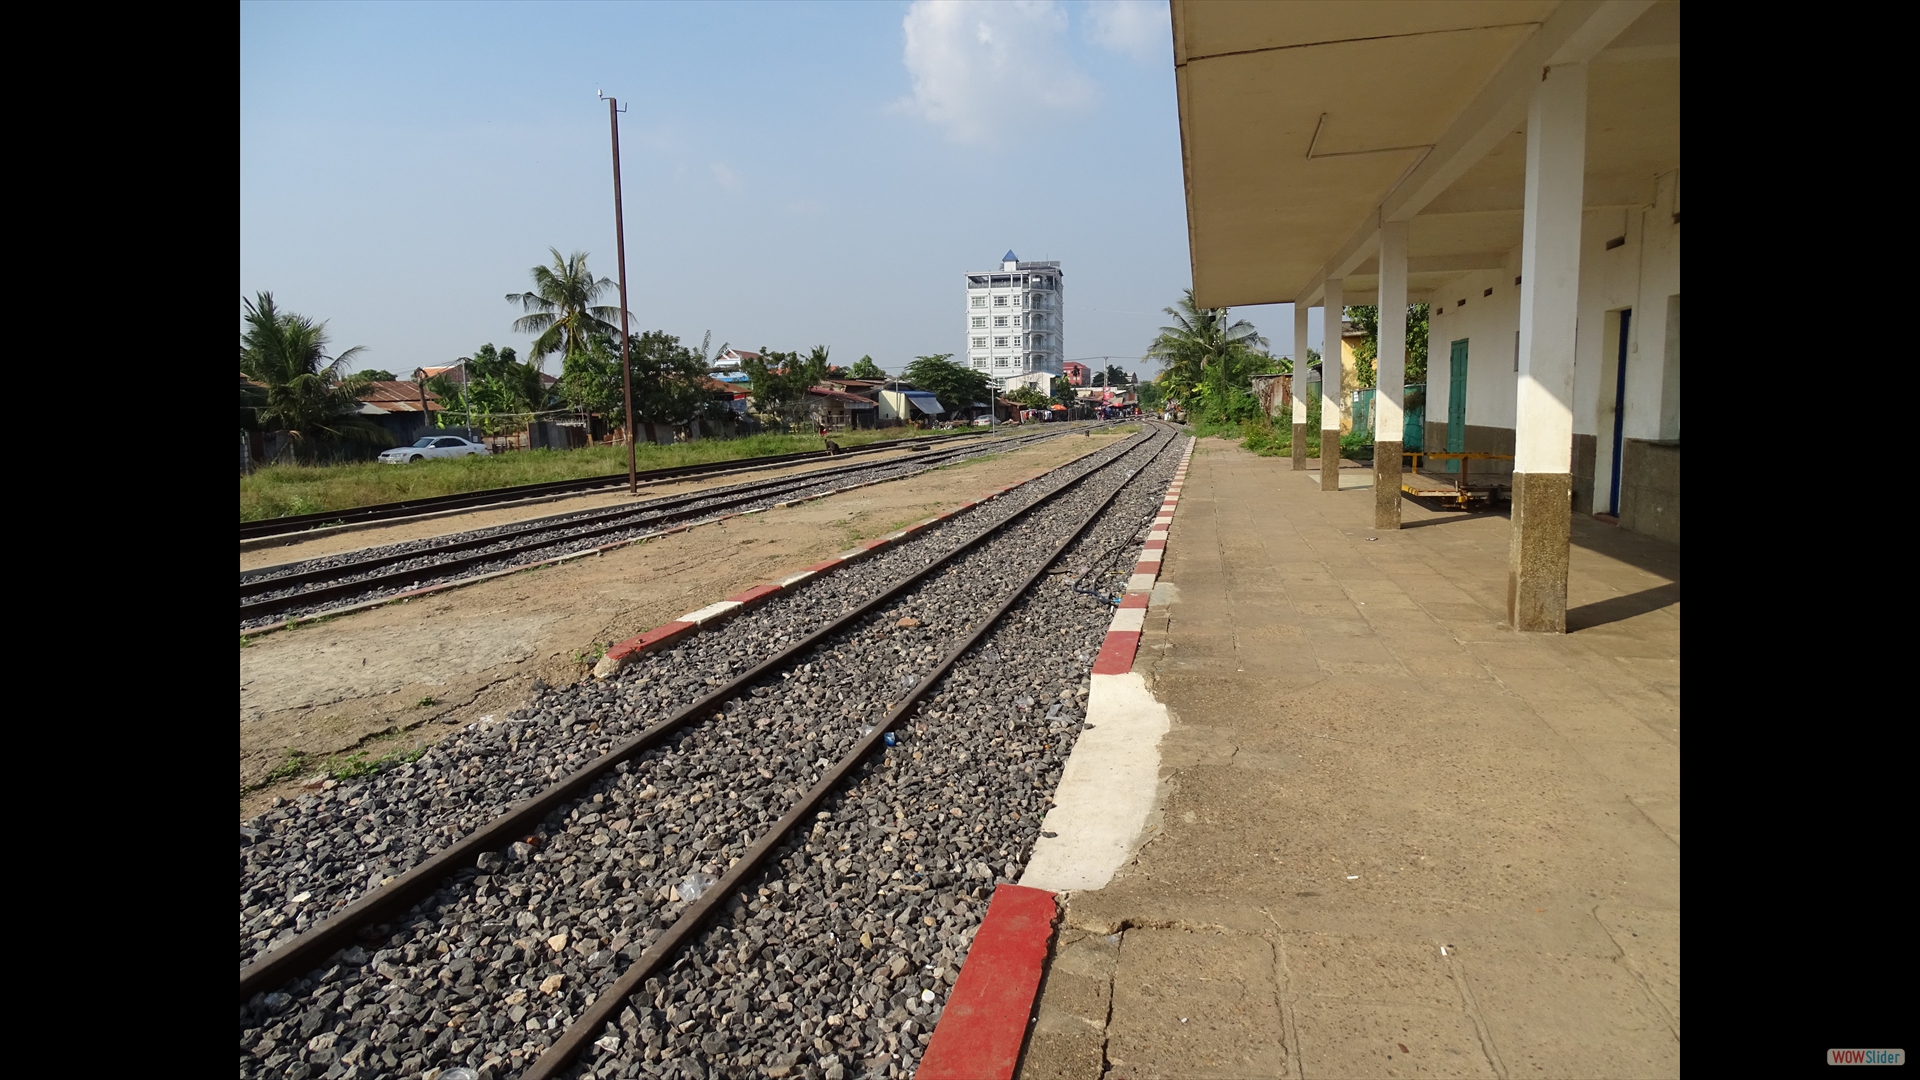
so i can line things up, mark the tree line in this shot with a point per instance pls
(1208, 360)
(291, 382)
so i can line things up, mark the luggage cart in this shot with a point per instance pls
(1449, 490)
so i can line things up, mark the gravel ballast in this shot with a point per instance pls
(836, 960)
(333, 846)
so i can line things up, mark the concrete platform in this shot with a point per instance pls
(1393, 837)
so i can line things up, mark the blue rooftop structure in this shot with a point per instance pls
(1008, 257)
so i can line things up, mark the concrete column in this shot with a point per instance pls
(1299, 387)
(1331, 392)
(1549, 303)
(1390, 383)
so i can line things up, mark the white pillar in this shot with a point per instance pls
(1299, 382)
(1331, 390)
(1390, 359)
(1549, 304)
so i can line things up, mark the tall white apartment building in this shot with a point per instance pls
(1015, 318)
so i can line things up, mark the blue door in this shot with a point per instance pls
(1457, 402)
(1619, 410)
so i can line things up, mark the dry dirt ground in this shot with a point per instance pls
(395, 678)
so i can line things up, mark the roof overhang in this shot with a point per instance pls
(1304, 126)
(925, 402)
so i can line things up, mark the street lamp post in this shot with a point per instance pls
(620, 244)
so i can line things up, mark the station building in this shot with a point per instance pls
(1513, 163)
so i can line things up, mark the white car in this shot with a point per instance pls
(433, 446)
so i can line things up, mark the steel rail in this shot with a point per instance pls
(253, 530)
(535, 536)
(264, 578)
(608, 1002)
(339, 930)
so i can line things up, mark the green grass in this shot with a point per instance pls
(295, 763)
(357, 763)
(286, 490)
(298, 763)
(1276, 440)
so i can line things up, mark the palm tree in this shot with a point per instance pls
(1116, 375)
(564, 317)
(1199, 338)
(308, 393)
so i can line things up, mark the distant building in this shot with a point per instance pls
(1015, 318)
(402, 409)
(456, 374)
(1038, 380)
(1076, 372)
(841, 410)
(1350, 338)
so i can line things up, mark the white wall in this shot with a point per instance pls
(1608, 282)
(1653, 383)
(1489, 324)
(1642, 274)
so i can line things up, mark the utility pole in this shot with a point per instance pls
(620, 243)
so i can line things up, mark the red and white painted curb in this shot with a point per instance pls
(667, 635)
(410, 594)
(1123, 634)
(1106, 791)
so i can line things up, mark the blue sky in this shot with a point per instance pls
(795, 174)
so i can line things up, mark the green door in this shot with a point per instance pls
(1414, 433)
(1457, 402)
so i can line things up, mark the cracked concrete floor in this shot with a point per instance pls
(1395, 838)
(402, 676)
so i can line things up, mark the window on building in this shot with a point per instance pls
(979, 301)
(1016, 320)
(999, 301)
(979, 322)
(1000, 361)
(1016, 301)
(999, 343)
(978, 343)
(979, 361)
(999, 320)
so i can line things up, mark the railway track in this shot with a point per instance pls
(410, 508)
(314, 586)
(734, 865)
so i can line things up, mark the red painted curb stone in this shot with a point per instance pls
(1116, 652)
(985, 1023)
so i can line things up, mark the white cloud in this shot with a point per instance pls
(725, 176)
(981, 69)
(1140, 27)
